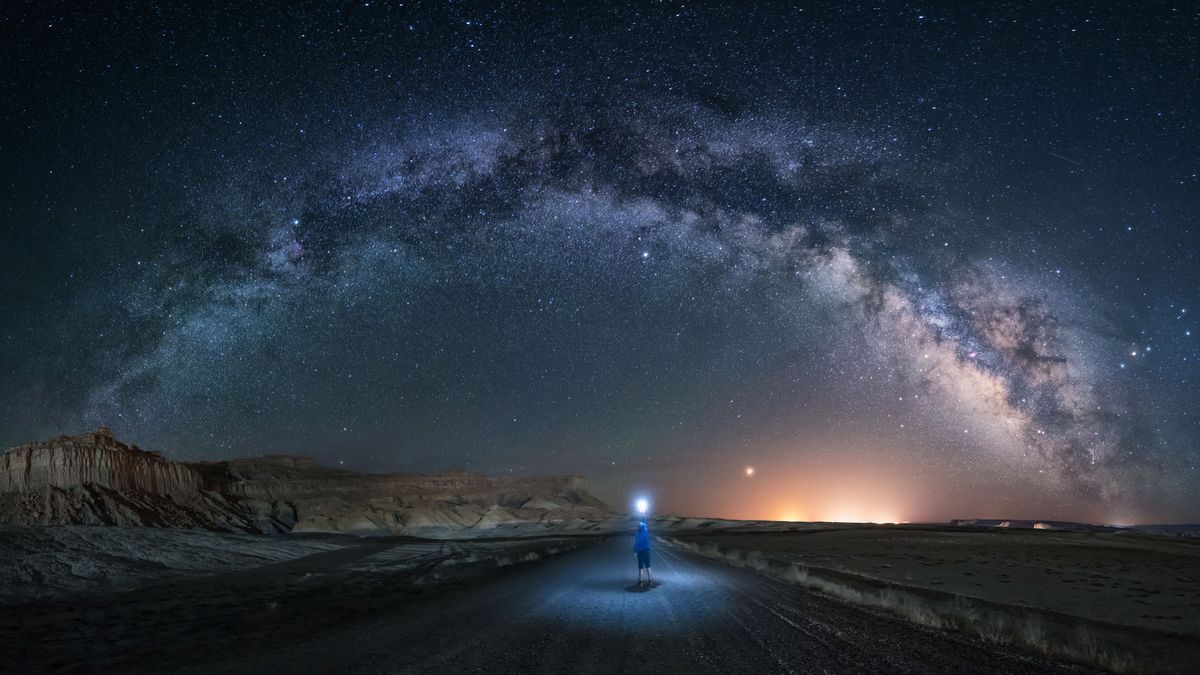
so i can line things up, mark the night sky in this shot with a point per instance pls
(907, 261)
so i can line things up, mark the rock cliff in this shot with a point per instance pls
(96, 459)
(94, 479)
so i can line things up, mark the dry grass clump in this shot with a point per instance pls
(795, 573)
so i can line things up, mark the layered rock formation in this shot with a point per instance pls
(95, 479)
(97, 459)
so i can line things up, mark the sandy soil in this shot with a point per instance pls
(1135, 580)
(108, 598)
(1122, 601)
(582, 613)
(47, 562)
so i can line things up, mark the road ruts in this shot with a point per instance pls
(580, 613)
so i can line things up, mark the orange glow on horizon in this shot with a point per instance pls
(845, 514)
(833, 483)
(856, 480)
(844, 517)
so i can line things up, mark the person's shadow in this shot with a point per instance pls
(641, 588)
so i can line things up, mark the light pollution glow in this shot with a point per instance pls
(851, 482)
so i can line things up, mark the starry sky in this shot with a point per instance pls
(853, 261)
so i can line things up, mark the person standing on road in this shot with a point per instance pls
(641, 551)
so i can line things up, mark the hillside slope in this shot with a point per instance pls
(94, 479)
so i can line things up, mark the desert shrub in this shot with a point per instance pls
(1032, 634)
(993, 629)
(795, 573)
(1085, 641)
(910, 607)
(840, 591)
(1084, 647)
(678, 543)
(756, 560)
(963, 613)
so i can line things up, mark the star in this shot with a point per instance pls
(572, 258)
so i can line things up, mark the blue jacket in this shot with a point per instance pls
(642, 541)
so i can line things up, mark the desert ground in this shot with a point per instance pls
(1119, 600)
(87, 599)
(582, 613)
(730, 595)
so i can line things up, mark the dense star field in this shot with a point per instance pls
(906, 261)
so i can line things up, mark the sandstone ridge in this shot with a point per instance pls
(95, 479)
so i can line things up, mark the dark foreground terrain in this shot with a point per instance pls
(1114, 599)
(580, 612)
(144, 600)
